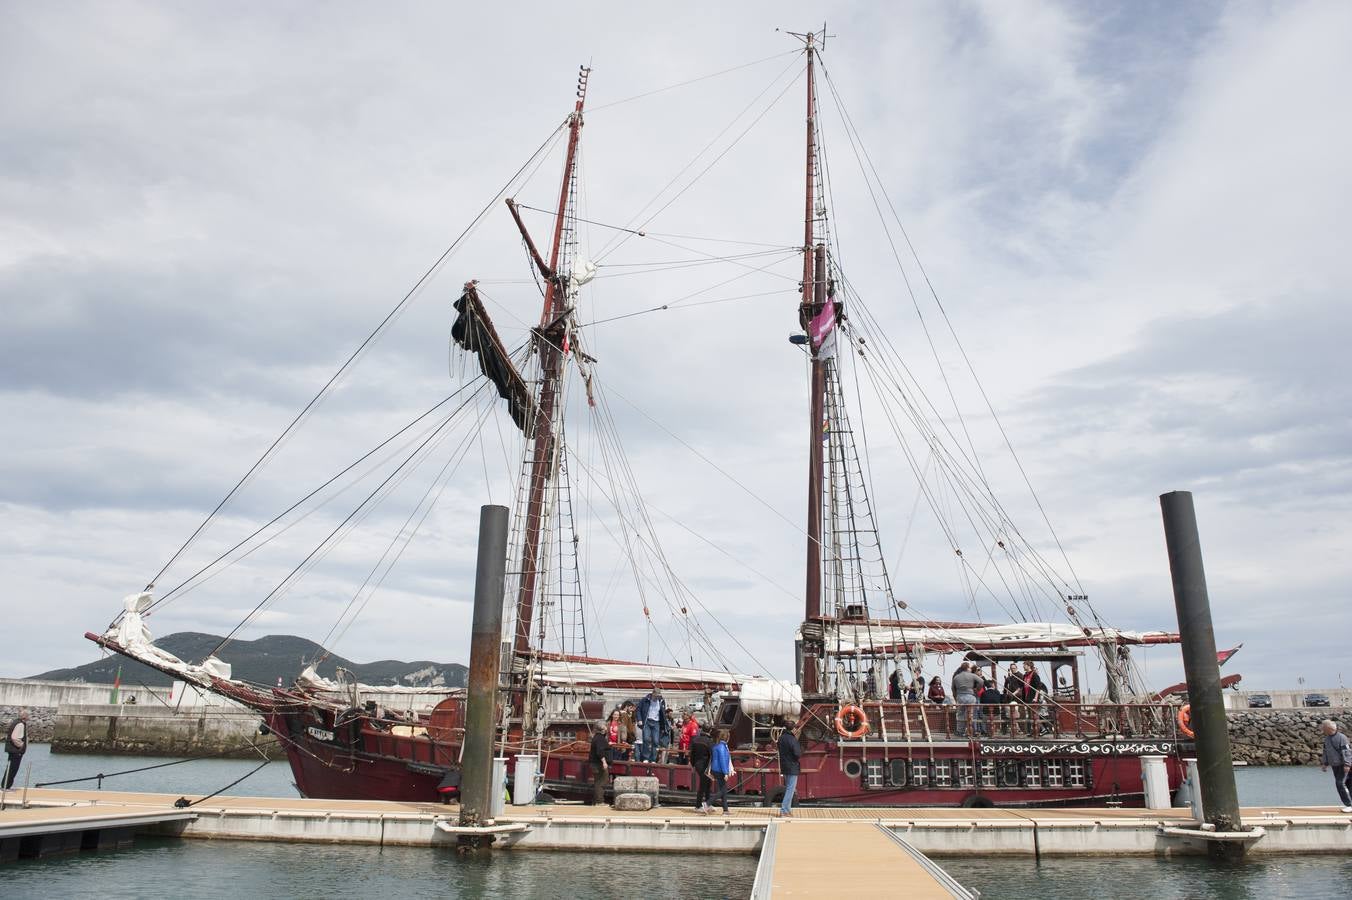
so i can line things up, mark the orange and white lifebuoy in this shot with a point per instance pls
(850, 711)
(1185, 720)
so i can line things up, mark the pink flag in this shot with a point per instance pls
(822, 323)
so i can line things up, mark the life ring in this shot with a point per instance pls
(1185, 720)
(858, 715)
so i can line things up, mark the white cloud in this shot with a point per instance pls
(201, 213)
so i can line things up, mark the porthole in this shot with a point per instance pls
(853, 768)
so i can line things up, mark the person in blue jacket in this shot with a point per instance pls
(720, 764)
(651, 720)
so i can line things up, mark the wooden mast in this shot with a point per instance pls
(549, 342)
(813, 285)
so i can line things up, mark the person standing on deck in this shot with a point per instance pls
(894, 685)
(991, 700)
(1338, 754)
(600, 763)
(615, 734)
(1013, 695)
(1032, 695)
(16, 742)
(652, 719)
(701, 752)
(720, 765)
(966, 683)
(790, 754)
(688, 732)
(916, 692)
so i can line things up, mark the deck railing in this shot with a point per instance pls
(1050, 718)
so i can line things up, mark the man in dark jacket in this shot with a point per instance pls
(16, 742)
(790, 752)
(600, 763)
(651, 719)
(992, 703)
(701, 753)
(1338, 754)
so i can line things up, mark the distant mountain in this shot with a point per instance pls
(263, 661)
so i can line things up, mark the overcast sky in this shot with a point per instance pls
(1135, 216)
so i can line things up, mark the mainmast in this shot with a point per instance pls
(549, 341)
(813, 300)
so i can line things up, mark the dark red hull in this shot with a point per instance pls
(369, 764)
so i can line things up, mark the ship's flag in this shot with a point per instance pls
(1223, 655)
(117, 683)
(823, 323)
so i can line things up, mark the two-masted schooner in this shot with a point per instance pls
(868, 736)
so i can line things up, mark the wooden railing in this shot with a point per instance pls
(903, 721)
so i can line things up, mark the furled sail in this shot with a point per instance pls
(474, 331)
(948, 638)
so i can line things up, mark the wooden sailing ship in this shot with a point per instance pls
(861, 746)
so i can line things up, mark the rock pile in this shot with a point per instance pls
(41, 721)
(1281, 737)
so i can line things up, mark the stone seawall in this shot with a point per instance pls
(160, 731)
(1281, 737)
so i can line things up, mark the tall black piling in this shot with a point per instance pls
(485, 654)
(1220, 798)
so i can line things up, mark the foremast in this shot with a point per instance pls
(550, 341)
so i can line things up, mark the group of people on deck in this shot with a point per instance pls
(1022, 687)
(649, 731)
(703, 747)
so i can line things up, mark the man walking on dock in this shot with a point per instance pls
(1338, 754)
(16, 742)
(701, 754)
(790, 751)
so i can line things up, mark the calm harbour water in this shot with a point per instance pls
(174, 868)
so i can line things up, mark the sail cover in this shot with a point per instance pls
(894, 638)
(634, 675)
(474, 331)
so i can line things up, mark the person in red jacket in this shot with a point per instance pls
(687, 734)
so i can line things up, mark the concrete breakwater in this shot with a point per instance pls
(161, 731)
(1280, 737)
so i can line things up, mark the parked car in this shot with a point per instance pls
(1260, 701)
(1316, 699)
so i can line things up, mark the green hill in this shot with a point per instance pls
(262, 661)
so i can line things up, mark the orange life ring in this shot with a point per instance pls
(1185, 719)
(859, 716)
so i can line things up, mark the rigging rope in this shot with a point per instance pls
(952, 331)
(365, 456)
(365, 504)
(681, 84)
(178, 762)
(361, 348)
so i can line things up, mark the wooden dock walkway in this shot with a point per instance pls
(37, 831)
(833, 857)
(677, 829)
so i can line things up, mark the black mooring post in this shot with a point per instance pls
(1220, 799)
(485, 654)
